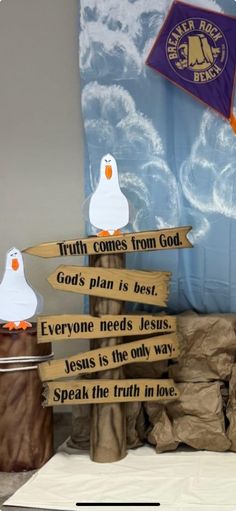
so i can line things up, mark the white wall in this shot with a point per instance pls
(41, 160)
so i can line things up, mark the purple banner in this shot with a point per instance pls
(196, 50)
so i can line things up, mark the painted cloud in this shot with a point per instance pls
(208, 176)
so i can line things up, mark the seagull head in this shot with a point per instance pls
(108, 168)
(14, 261)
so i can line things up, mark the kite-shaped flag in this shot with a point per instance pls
(196, 50)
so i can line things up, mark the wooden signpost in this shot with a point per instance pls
(108, 391)
(143, 350)
(85, 326)
(164, 239)
(109, 285)
(128, 285)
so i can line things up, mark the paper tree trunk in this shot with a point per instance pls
(108, 421)
(26, 428)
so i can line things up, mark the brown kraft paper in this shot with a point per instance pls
(195, 419)
(207, 347)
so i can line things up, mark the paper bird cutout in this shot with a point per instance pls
(18, 301)
(108, 208)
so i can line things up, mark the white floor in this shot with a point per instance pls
(183, 481)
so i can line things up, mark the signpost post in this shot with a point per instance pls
(108, 420)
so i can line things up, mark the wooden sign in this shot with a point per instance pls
(166, 239)
(162, 347)
(74, 326)
(108, 391)
(130, 285)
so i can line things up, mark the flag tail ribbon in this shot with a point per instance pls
(232, 121)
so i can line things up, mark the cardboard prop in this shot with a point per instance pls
(18, 301)
(196, 50)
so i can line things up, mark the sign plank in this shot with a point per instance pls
(165, 239)
(84, 326)
(152, 349)
(108, 391)
(130, 285)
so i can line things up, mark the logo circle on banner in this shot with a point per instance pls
(197, 50)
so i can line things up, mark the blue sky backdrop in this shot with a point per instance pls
(176, 158)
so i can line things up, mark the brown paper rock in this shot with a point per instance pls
(207, 347)
(195, 419)
(198, 418)
(135, 425)
(81, 422)
(160, 432)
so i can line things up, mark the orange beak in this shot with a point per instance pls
(108, 171)
(15, 264)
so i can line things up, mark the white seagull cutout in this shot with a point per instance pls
(18, 301)
(108, 208)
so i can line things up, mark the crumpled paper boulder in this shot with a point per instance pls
(207, 347)
(195, 419)
(160, 433)
(135, 425)
(80, 432)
